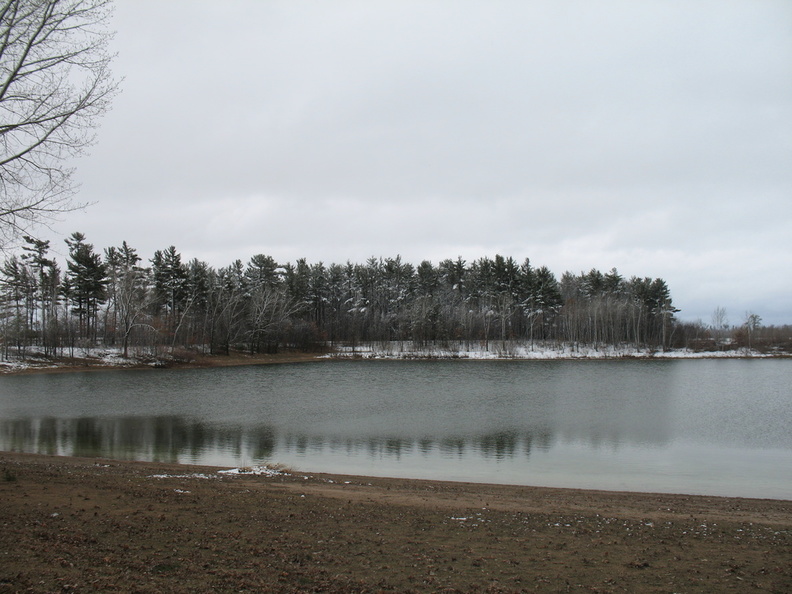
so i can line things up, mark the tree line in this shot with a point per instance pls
(115, 299)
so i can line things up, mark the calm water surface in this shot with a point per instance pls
(718, 427)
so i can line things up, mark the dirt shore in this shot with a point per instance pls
(85, 525)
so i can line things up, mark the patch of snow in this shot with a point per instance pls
(182, 476)
(517, 350)
(109, 356)
(245, 470)
(8, 366)
(254, 470)
(34, 358)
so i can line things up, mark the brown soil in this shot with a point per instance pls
(82, 525)
(236, 359)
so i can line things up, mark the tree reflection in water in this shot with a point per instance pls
(179, 439)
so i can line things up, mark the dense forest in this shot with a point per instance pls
(112, 299)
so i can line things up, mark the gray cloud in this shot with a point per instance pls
(655, 137)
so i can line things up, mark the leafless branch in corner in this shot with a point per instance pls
(55, 83)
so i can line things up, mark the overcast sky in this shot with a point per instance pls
(652, 136)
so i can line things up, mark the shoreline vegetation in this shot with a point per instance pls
(114, 299)
(33, 361)
(77, 524)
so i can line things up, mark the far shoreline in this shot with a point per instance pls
(41, 365)
(83, 364)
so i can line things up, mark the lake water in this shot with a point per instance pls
(719, 427)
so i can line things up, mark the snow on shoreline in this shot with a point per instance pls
(97, 357)
(518, 351)
(265, 471)
(255, 471)
(111, 358)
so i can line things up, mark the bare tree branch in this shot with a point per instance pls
(55, 83)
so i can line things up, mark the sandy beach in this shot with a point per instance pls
(87, 525)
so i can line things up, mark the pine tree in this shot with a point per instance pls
(169, 276)
(85, 284)
(46, 272)
(17, 289)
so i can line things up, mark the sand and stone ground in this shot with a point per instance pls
(83, 525)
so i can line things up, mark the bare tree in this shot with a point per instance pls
(720, 323)
(55, 82)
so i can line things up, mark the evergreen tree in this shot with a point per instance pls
(18, 289)
(85, 283)
(169, 276)
(548, 300)
(263, 305)
(48, 278)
